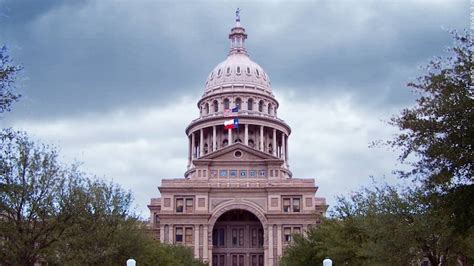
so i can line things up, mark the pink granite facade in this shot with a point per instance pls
(238, 203)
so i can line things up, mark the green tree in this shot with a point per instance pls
(54, 213)
(8, 75)
(384, 227)
(437, 134)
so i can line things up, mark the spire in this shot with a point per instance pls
(237, 36)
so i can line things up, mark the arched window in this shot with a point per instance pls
(251, 143)
(225, 143)
(228, 70)
(219, 72)
(258, 74)
(238, 103)
(269, 108)
(248, 70)
(226, 103)
(260, 106)
(206, 108)
(238, 70)
(212, 74)
(216, 106)
(250, 104)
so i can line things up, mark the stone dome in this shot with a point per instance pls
(238, 69)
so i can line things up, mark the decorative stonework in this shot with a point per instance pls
(167, 202)
(274, 202)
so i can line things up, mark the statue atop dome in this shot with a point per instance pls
(237, 14)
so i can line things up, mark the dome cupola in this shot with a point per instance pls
(238, 70)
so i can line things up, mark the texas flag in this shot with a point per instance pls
(231, 123)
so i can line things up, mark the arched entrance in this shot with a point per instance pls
(238, 239)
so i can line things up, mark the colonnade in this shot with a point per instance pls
(263, 138)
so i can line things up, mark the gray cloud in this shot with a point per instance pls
(114, 83)
(95, 55)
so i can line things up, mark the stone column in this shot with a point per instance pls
(214, 139)
(274, 144)
(270, 244)
(162, 233)
(205, 242)
(190, 150)
(283, 146)
(286, 151)
(261, 139)
(230, 136)
(246, 135)
(201, 142)
(279, 241)
(171, 233)
(196, 241)
(193, 146)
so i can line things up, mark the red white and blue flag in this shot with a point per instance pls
(231, 112)
(231, 123)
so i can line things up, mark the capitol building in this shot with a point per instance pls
(238, 203)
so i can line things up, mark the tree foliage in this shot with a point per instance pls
(384, 227)
(437, 134)
(8, 74)
(54, 213)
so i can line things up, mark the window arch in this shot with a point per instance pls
(238, 103)
(248, 70)
(228, 70)
(260, 106)
(206, 109)
(251, 143)
(226, 103)
(258, 73)
(250, 104)
(238, 70)
(225, 143)
(219, 72)
(269, 108)
(216, 106)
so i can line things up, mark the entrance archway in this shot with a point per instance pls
(238, 239)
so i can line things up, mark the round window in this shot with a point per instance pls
(238, 154)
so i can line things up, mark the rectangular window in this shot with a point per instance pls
(223, 173)
(262, 173)
(252, 173)
(234, 260)
(241, 260)
(296, 231)
(241, 237)
(286, 204)
(287, 234)
(221, 237)
(296, 204)
(179, 235)
(233, 173)
(189, 235)
(234, 237)
(254, 260)
(189, 205)
(254, 237)
(260, 238)
(179, 204)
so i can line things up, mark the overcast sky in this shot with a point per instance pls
(113, 84)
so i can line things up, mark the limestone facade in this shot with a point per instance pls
(238, 203)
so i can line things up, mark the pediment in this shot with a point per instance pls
(232, 152)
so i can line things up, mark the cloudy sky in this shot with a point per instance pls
(113, 84)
